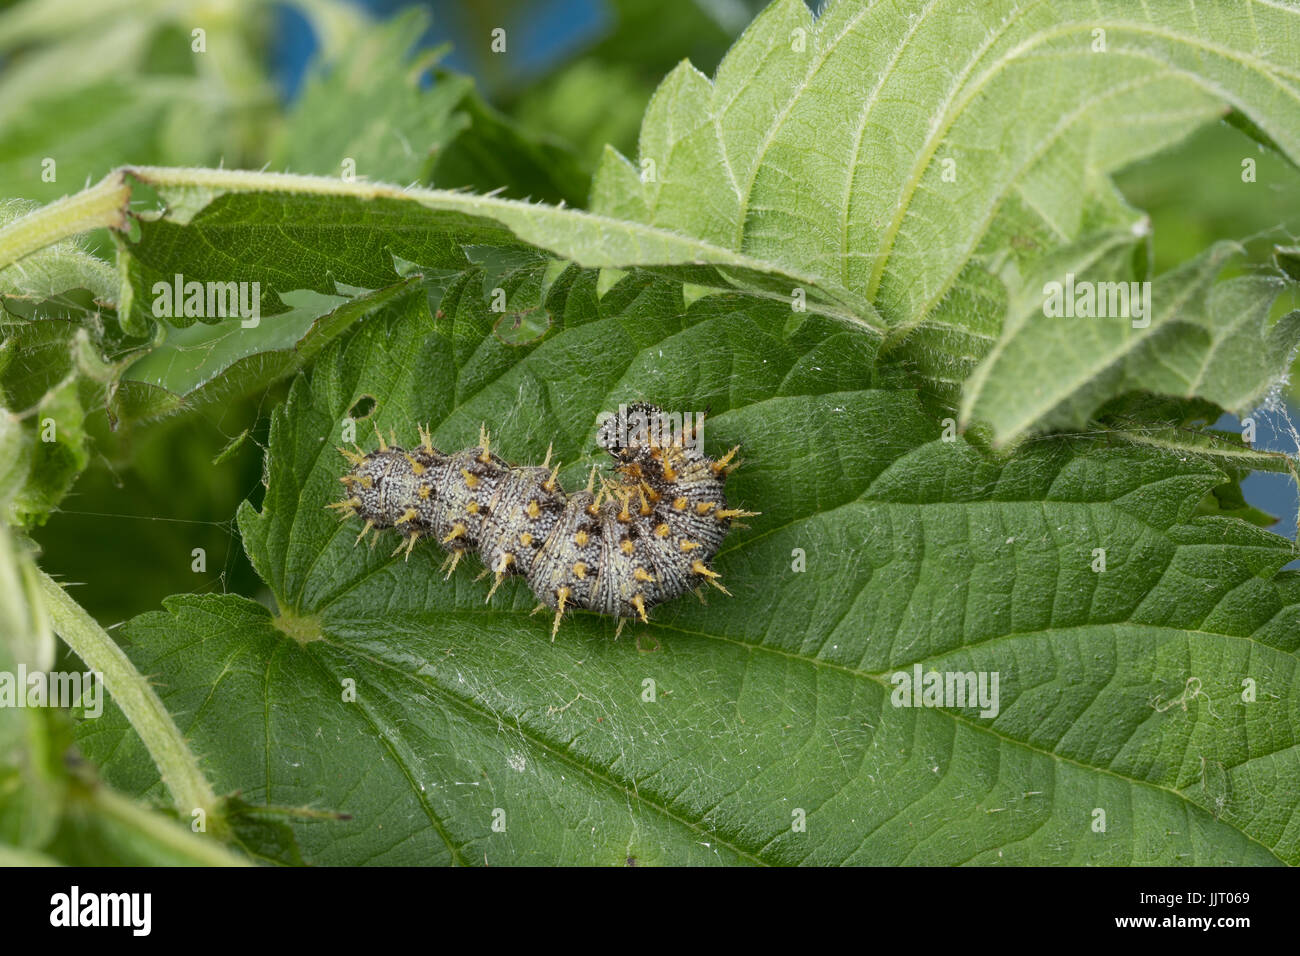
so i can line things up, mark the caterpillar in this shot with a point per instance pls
(642, 538)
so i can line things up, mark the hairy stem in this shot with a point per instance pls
(102, 205)
(163, 831)
(171, 754)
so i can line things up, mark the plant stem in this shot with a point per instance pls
(163, 831)
(143, 709)
(102, 205)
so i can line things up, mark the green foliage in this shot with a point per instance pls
(401, 133)
(920, 552)
(93, 86)
(840, 246)
(1194, 338)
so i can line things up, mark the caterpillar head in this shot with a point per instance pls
(629, 433)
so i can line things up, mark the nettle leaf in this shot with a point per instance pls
(319, 253)
(351, 231)
(874, 145)
(206, 364)
(1082, 329)
(972, 137)
(1147, 712)
(393, 127)
(897, 154)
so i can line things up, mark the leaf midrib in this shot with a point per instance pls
(880, 677)
(956, 107)
(490, 207)
(596, 773)
(454, 849)
(603, 776)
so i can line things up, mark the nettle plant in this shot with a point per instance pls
(1004, 602)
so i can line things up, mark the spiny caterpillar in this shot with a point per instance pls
(641, 539)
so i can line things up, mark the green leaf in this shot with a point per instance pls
(87, 87)
(754, 179)
(1082, 331)
(207, 364)
(875, 149)
(57, 355)
(771, 707)
(41, 384)
(362, 116)
(367, 107)
(304, 242)
(972, 136)
(83, 92)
